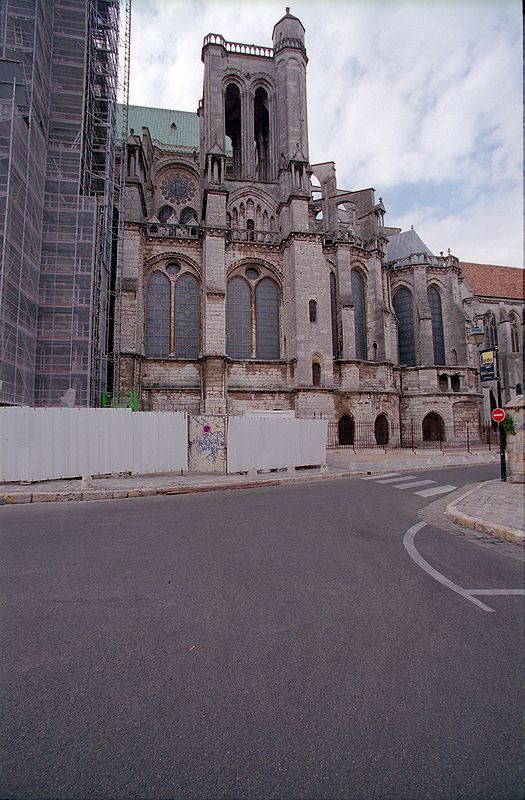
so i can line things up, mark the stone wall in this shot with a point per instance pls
(516, 442)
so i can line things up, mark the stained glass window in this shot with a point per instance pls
(267, 319)
(187, 317)
(157, 333)
(404, 310)
(436, 312)
(358, 295)
(238, 319)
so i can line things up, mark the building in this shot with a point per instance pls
(58, 84)
(251, 281)
(493, 299)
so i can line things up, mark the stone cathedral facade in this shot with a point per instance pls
(252, 282)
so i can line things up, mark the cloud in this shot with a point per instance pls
(400, 94)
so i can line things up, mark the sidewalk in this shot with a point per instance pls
(492, 507)
(501, 504)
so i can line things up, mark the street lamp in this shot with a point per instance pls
(477, 336)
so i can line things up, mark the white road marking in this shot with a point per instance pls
(408, 541)
(435, 490)
(520, 592)
(398, 478)
(375, 477)
(410, 485)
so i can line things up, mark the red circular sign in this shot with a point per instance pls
(498, 415)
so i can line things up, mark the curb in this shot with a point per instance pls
(461, 518)
(120, 494)
(17, 498)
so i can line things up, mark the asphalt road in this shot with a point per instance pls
(262, 643)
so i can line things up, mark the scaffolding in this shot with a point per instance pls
(116, 286)
(63, 216)
(25, 36)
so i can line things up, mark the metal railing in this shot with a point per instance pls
(370, 436)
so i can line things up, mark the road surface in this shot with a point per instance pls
(263, 643)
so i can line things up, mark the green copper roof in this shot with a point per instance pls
(175, 128)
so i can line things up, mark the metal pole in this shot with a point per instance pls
(503, 465)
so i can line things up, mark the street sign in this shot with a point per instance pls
(498, 415)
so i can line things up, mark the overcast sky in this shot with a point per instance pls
(421, 100)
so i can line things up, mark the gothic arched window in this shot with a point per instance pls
(187, 317)
(158, 316)
(267, 319)
(333, 314)
(238, 319)
(188, 215)
(312, 311)
(358, 296)
(436, 312)
(259, 300)
(232, 117)
(491, 331)
(261, 129)
(316, 371)
(165, 213)
(404, 311)
(514, 335)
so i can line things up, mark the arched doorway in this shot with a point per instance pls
(433, 428)
(381, 430)
(346, 430)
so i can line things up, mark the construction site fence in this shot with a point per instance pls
(47, 443)
(469, 437)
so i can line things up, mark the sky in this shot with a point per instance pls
(421, 100)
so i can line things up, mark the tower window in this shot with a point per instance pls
(316, 373)
(232, 118)
(312, 311)
(261, 128)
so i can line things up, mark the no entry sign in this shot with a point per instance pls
(498, 415)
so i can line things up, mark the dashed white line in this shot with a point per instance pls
(410, 485)
(398, 478)
(435, 490)
(375, 477)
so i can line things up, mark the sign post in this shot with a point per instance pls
(489, 371)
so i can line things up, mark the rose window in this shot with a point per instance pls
(177, 188)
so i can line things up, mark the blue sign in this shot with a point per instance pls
(487, 365)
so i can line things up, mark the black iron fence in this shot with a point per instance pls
(381, 434)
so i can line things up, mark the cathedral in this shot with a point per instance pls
(252, 282)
